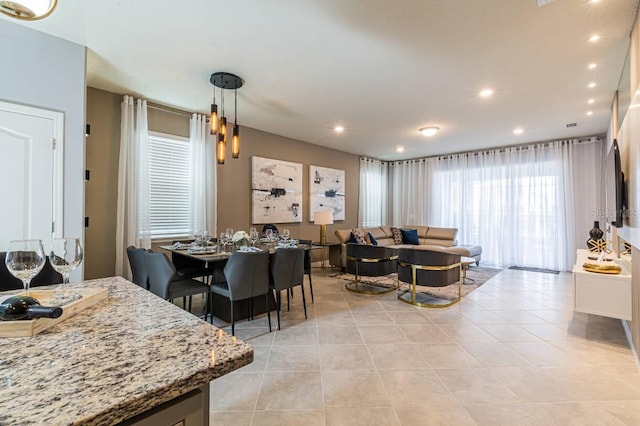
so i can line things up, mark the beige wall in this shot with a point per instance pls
(101, 192)
(234, 177)
(234, 181)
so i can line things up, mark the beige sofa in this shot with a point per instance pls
(431, 238)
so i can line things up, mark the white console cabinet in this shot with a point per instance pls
(608, 295)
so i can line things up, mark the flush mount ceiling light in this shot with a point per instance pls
(485, 93)
(28, 10)
(218, 126)
(429, 130)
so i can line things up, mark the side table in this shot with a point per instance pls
(326, 247)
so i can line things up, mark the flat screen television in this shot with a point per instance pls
(615, 187)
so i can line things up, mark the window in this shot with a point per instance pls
(170, 183)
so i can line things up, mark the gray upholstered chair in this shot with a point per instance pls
(188, 267)
(369, 261)
(287, 271)
(247, 276)
(164, 281)
(428, 268)
(307, 264)
(138, 266)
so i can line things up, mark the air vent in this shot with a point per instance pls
(572, 124)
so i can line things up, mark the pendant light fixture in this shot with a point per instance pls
(235, 140)
(226, 81)
(214, 119)
(28, 10)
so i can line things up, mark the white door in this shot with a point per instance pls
(30, 174)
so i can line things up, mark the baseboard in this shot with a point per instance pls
(627, 332)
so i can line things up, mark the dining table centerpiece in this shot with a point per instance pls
(239, 239)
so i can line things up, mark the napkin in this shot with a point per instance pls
(247, 249)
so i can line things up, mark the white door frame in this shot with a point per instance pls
(57, 119)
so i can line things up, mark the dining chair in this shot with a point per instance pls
(287, 271)
(166, 283)
(246, 276)
(269, 226)
(307, 263)
(46, 276)
(188, 267)
(138, 266)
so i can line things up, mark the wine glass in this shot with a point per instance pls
(222, 242)
(206, 238)
(25, 258)
(285, 235)
(253, 236)
(269, 235)
(66, 255)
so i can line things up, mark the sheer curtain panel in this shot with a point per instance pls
(132, 222)
(203, 168)
(374, 203)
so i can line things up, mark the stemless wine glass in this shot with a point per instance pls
(66, 255)
(25, 258)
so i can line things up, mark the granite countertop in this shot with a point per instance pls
(112, 361)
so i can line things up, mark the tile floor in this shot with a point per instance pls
(510, 353)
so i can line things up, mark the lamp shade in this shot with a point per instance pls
(323, 217)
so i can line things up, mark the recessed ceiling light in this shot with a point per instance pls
(429, 131)
(590, 101)
(518, 131)
(400, 149)
(591, 85)
(338, 129)
(594, 38)
(594, 1)
(592, 66)
(589, 112)
(485, 93)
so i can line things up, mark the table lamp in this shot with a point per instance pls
(323, 218)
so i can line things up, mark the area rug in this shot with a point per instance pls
(526, 268)
(476, 276)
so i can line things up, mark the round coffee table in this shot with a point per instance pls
(466, 262)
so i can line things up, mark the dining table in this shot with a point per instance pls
(215, 261)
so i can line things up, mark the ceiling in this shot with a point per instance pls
(381, 69)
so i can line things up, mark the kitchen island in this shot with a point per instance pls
(133, 357)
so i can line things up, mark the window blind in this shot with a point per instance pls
(170, 180)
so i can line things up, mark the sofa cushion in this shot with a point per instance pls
(359, 236)
(410, 236)
(352, 239)
(373, 240)
(397, 235)
(442, 233)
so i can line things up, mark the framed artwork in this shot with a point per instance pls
(327, 191)
(276, 188)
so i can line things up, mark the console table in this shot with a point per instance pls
(607, 295)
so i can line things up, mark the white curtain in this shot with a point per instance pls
(409, 183)
(527, 206)
(374, 204)
(132, 222)
(203, 167)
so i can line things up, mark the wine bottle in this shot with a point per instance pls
(26, 308)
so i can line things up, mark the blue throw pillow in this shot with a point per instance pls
(352, 239)
(410, 236)
(374, 242)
